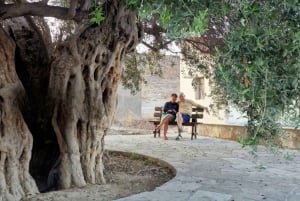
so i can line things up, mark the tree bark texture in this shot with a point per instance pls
(84, 78)
(15, 137)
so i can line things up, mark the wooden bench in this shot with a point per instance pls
(196, 116)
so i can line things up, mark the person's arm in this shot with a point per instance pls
(198, 105)
(166, 107)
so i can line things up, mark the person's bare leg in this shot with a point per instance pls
(179, 124)
(166, 125)
(179, 120)
(162, 122)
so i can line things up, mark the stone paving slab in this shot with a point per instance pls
(209, 196)
(158, 196)
(214, 170)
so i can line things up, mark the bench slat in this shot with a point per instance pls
(157, 114)
(197, 109)
(158, 109)
(197, 116)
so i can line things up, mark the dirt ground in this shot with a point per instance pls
(126, 174)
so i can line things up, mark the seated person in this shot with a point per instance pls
(170, 110)
(185, 111)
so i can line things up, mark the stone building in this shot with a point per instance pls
(155, 92)
(201, 91)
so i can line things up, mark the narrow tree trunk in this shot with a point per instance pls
(15, 138)
(83, 83)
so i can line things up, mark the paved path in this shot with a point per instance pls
(214, 170)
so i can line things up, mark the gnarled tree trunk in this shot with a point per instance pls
(83, 82)
(15, 138)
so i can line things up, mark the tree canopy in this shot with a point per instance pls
(259, 65)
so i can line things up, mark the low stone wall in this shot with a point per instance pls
(292, 140)
(231, 132)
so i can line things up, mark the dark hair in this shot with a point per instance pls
(174, 95)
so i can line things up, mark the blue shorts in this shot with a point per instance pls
(186, 118)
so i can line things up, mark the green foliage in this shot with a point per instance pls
(176, 20)
(148, 162)
(259, 66)
(260, 167)
(133, 4)
(97, 15)
(200, 23)
(247, 142)
(180, 19)
(290, 155)
(165, 173)
(134, 156)
(135, 67)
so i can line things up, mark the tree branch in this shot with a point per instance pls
(34, 26)
(85, 5)
(72, 8)
(35, 9)
(201, 46)
(45, 2)
(158, 46)
(150, 46)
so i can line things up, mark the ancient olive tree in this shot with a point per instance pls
(58, 89)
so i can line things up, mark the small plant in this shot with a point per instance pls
(260, 166)
(148, 162)
(290, 156)
(165, 173)
(97, 15)
(134, 156)
(133, 4)
(247, 142)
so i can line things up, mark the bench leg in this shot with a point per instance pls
(194, 132)
(156, 132)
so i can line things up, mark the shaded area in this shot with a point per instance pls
(33, 69)
(126, 174)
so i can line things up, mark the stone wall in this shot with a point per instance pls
(158, 89)
(129, 106)
(232, 132)
(154, 93)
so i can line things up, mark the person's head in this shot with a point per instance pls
(173, 97)
(181, 96)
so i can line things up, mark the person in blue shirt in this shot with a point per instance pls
(169, 114)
